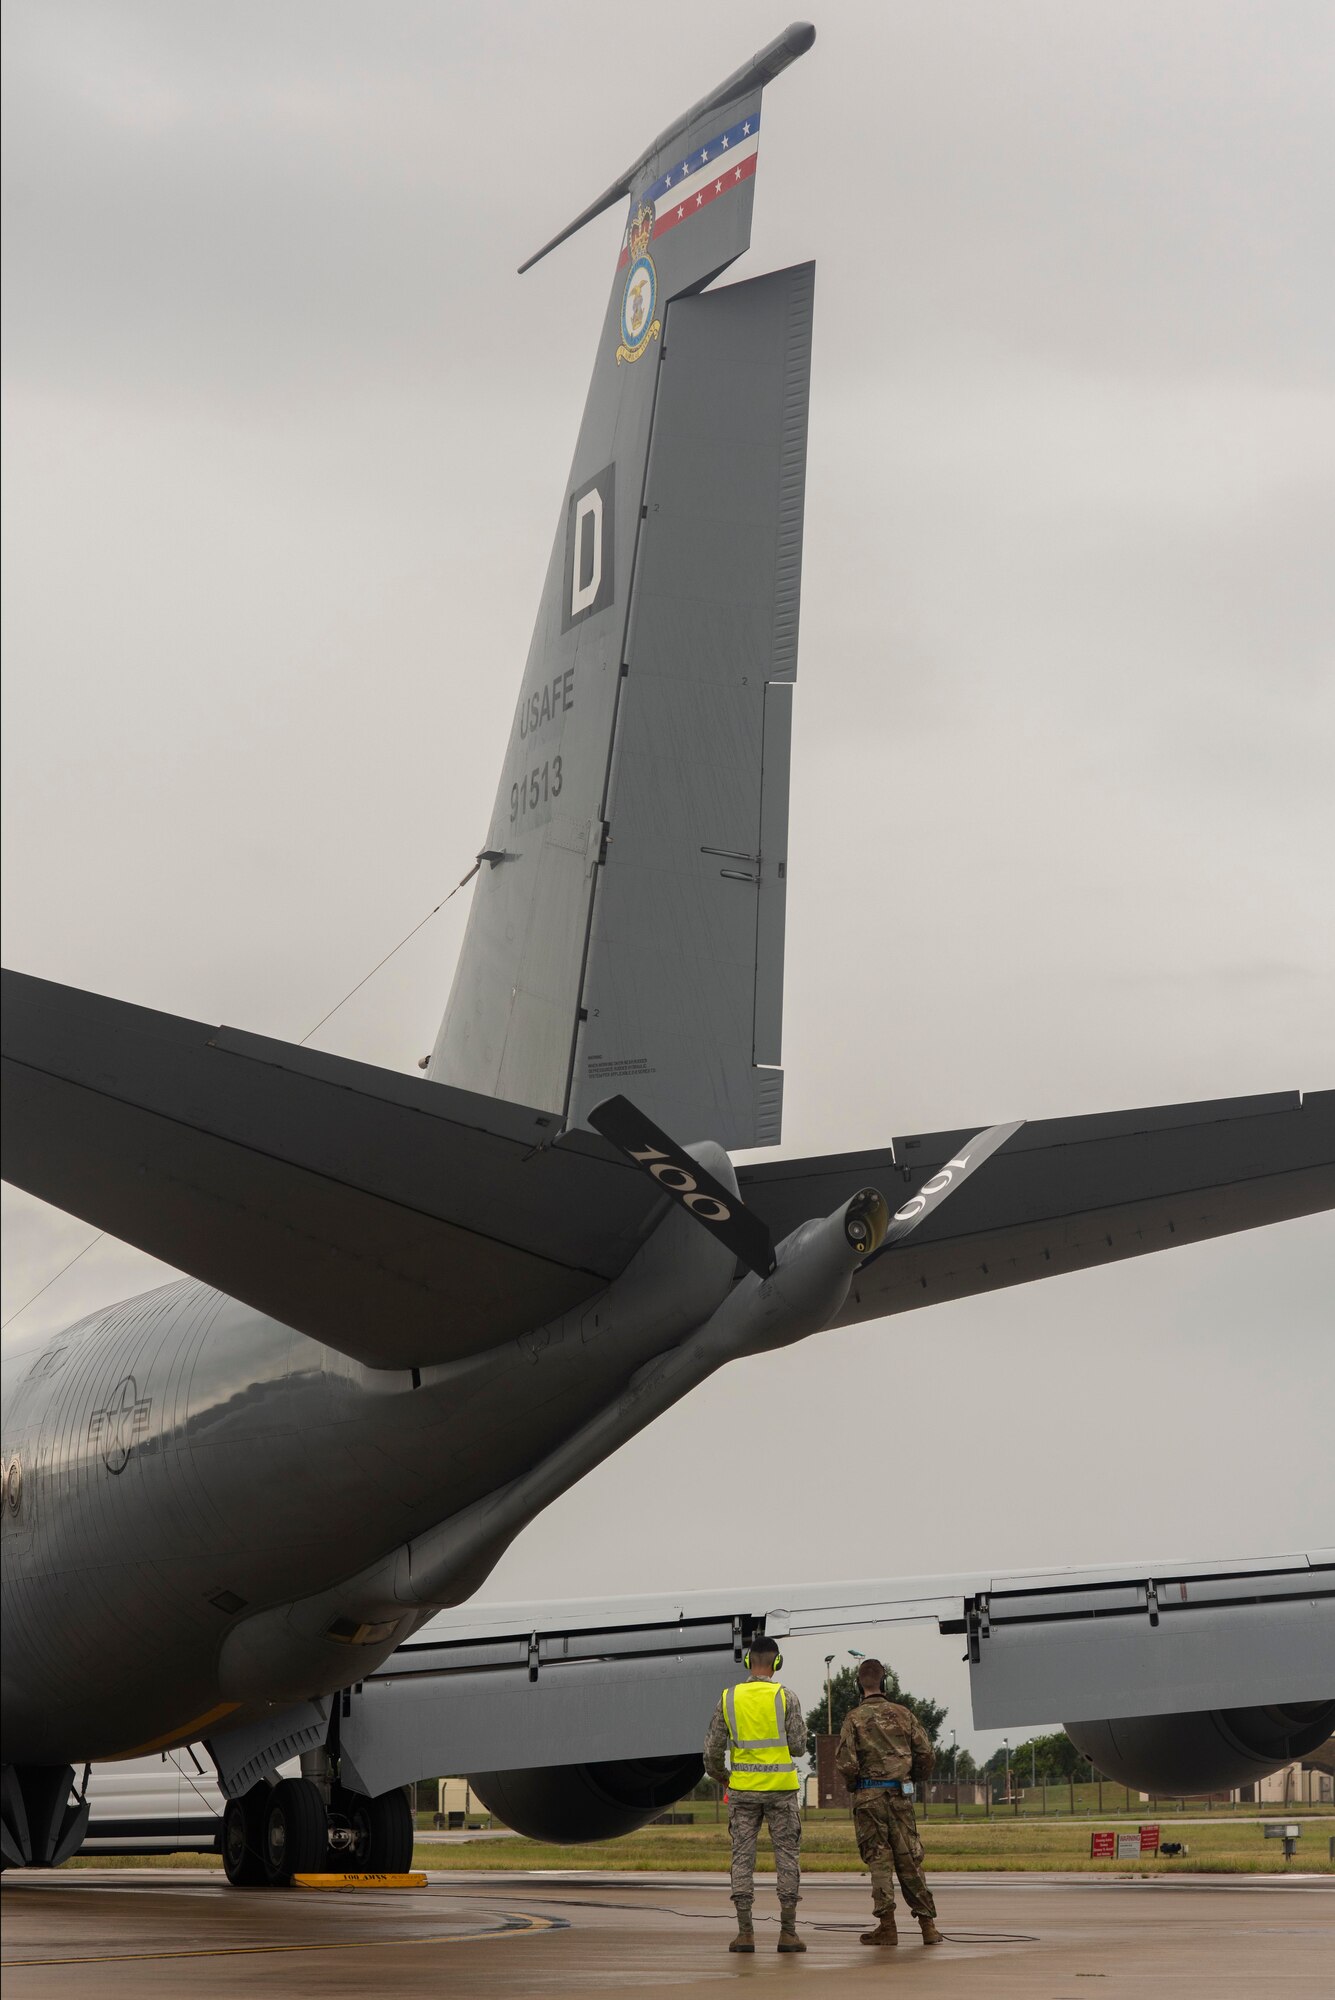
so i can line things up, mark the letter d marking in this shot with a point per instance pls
(589, 509)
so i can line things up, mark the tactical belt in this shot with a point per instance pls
(904, 1786)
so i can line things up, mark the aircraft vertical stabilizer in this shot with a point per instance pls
(678, 622)
(683, 991)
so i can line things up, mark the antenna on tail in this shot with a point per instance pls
(763, 67)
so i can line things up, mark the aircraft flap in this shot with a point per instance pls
(1150, 1646)
(558, 1683)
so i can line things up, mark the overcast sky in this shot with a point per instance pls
(287, 439)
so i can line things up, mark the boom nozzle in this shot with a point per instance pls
(866, 1220)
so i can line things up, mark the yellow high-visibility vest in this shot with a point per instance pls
(759, 1757)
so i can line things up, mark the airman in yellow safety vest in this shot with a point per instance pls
(758, 1725)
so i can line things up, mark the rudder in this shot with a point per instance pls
(681, 1004)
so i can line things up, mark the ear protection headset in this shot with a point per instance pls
(746, 1660)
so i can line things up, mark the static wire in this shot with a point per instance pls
(301, 1044)
(390, 954)
(51, 1281)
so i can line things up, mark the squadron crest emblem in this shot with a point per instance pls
(639, 323)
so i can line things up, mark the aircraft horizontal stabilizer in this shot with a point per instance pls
(400, 1221)
(1067, 1194)
(406, 1222)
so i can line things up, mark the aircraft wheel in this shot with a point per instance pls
(296, 1832)
(383, 1833)
(243, 1839)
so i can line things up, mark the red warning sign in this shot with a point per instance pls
(1149, 1840)
(1102, 1846)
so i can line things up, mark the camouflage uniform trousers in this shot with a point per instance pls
(779, 1810)
(887, 1836)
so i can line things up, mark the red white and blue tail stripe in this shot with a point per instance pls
(706, 174)
(699, 177)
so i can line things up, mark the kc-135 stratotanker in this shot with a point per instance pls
(248, 1510)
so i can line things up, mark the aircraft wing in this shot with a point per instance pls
(529, 1686)
(508, 1686)
(1065, 1194)
(400, 1221)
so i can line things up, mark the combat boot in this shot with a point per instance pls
(745, 1939)
(788, 1938)
(885, 1932)
(930, 1933)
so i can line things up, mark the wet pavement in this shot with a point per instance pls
(121, 1932)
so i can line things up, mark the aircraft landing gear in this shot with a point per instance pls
(296, 1832)
(277, 1831)
(243, 1838)
(379, 1832)
(41, 1825)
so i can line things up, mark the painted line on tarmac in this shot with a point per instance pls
(518, 1925)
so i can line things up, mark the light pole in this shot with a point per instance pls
(829, 1696)
(1006, 1743)
(954, 1770)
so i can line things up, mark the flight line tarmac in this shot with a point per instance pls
(119, 1932)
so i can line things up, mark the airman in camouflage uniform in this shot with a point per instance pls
(777, 1809)
(881, 1741)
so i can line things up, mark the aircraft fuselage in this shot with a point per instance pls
(185, 1462)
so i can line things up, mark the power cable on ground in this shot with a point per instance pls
(762, 1917)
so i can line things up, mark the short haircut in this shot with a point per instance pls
(764, 1649)
(870, 1675)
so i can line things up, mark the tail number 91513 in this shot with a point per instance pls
(536, 788)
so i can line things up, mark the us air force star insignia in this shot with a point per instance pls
(119, 1424)
(638, 322)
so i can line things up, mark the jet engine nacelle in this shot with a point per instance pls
(565, 1803)
(1210, 1750)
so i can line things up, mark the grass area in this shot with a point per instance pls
(1107, 1805)
(1107, 1801)
(1217, 1847)
(828, 1845)
(187, 1860)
